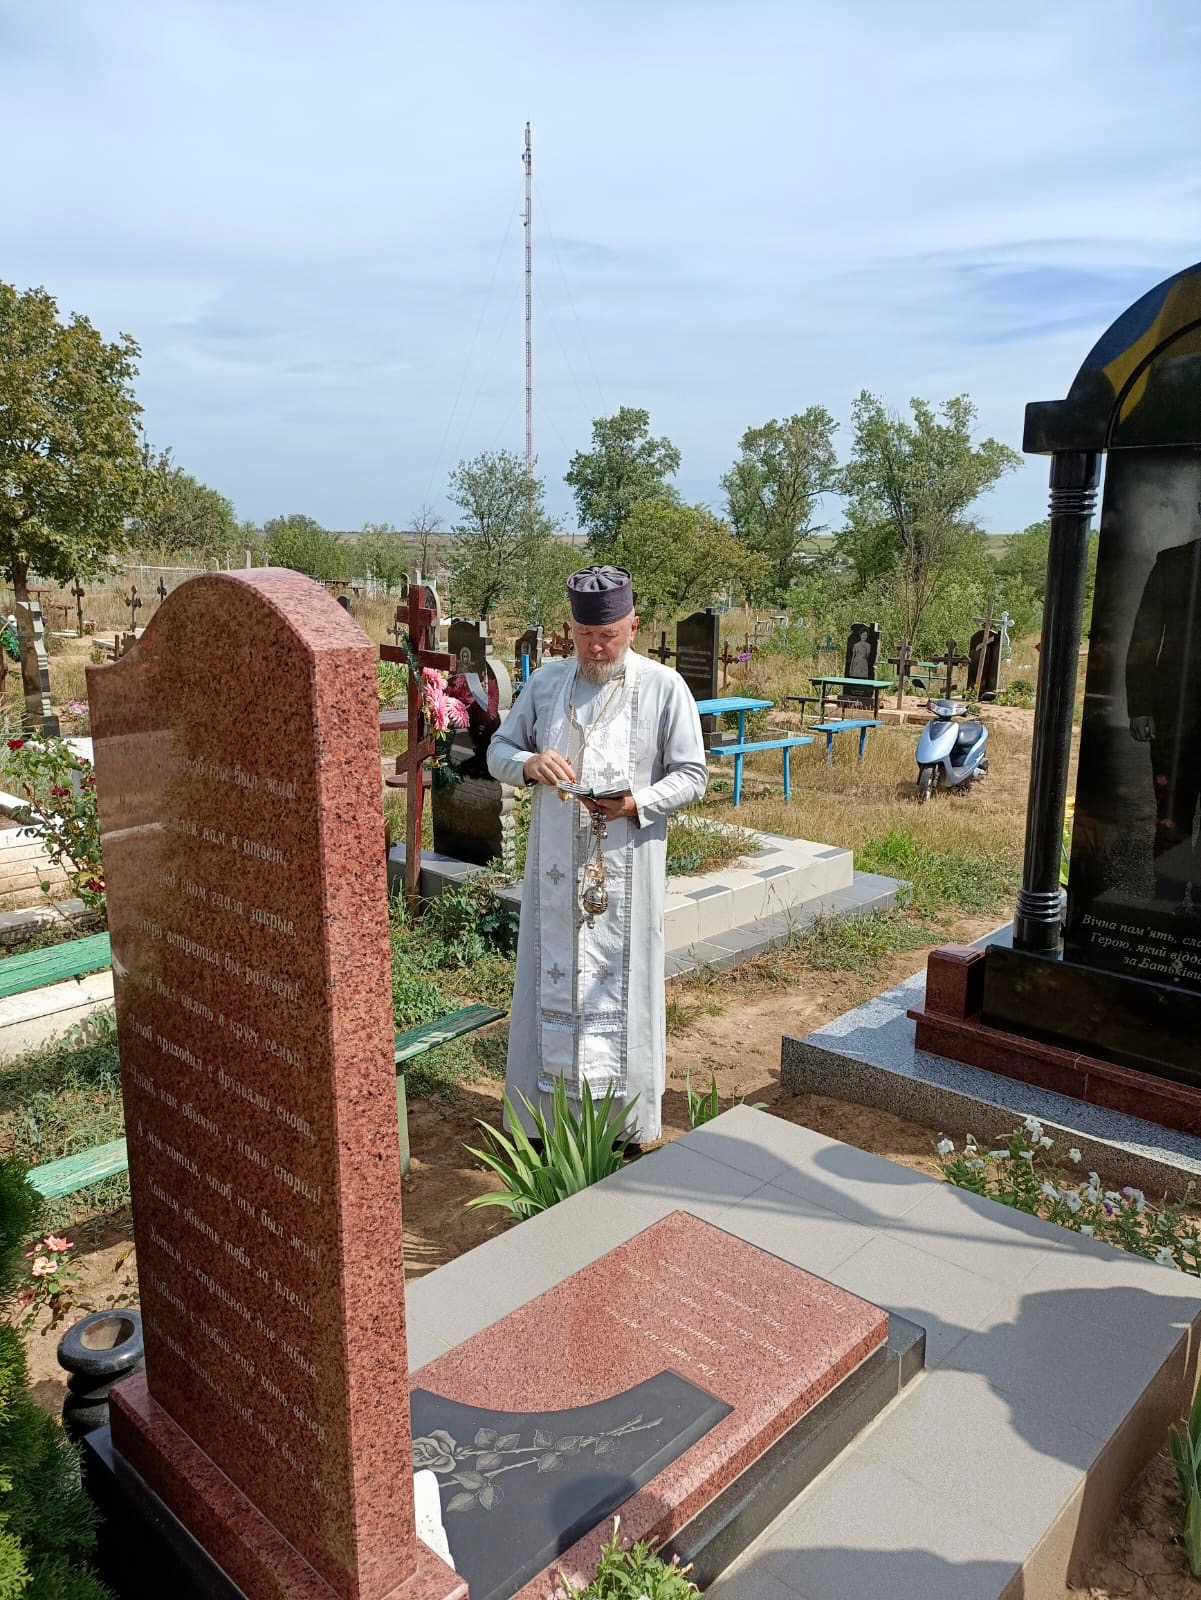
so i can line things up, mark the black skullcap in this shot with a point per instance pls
(600, 594)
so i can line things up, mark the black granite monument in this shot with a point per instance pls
(1125, 986)
(697, 659)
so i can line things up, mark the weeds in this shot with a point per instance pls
(942, 879)
(859, 945)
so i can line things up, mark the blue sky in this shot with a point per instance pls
(309, 217)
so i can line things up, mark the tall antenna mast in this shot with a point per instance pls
(528, 160)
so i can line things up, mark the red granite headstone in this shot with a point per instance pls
(247, 905)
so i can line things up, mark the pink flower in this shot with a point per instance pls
(53, 1242)
(43, 1266)
(25, 1298)
(444, 711)
(77, 708)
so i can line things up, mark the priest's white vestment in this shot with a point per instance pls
(588, 1001)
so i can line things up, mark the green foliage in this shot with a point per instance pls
(501, 533)
(963, 879)
(46, 1521)
(624, 467)
(71, 469)
(546, 562)
(694, 844)
(392, 682)
(577, 1150)
(1185, 1445)
(1023, 571)
(381, 553)
(298, 542)
(859, 944)
(62, 814)
(635, 1572)
(772, 490)
(702, 1108)
(182, 516)
(682, 557)
(910, 486)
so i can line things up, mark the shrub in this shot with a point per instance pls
(46, 1522)
(60, 787)
(635, 1572)
(576, 1151)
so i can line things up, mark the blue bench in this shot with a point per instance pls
(848, 725)
(738, 751)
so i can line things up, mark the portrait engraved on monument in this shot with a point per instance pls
(1135, 875)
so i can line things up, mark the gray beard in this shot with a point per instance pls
(602, 671)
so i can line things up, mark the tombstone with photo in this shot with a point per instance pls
(1120, 980)
(863, 651)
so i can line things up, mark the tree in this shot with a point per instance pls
(181, 515)
(71, 467)
(683, 557)
(910, 486)
(501, 521)
(547, 562)
(773, 488)
(427, 525)
(305, 546)
(624, 466)
(382, 553)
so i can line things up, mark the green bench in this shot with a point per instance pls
(752, 747)
(71, 1173)
(34, 969)
(864, 725)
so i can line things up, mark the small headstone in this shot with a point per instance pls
(38, 714)
(984, 671)
(248, 916)
(467, 642)
(527, 652)
(697, 652)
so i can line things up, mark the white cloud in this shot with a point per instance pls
(308, 216)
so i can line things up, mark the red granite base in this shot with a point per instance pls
(950, 1024)
(760, 1334)
(253, 1554)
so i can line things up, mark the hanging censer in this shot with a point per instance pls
(594, 897)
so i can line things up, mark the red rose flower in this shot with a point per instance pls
(15, 744)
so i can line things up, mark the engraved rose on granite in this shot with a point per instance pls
(435, 1452)
(474, 1467)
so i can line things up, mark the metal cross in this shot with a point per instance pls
(662, 649)
(951, 660)
(902, 661)
(554, 874)
(134, 601)
(78, 594)
(397, 628)
(556, 973)
(161, 591)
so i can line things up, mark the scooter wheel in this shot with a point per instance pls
(926, 779)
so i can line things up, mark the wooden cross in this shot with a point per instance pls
(397, 629)
(561, 644)
(78, 593)
(950, 660)
(419, 747)
(725, 660)
(161, 591)
(134, 601)
(66, 610)
(662, 649)
(902, 661)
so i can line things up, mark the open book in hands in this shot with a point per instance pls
(585, 791)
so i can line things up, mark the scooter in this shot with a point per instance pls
(950, 752)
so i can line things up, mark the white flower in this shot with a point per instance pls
(1092, 1195)
(945, 1147)
(1165, 1258)
(998, 1155)
(1051, 1192)
(1074, 1155)
(1034, 1128)
(1113, 1197)
(1086, 1228)
(970, 1142)
(1137, 1196)
(1162, 1220)
(1072, 1200)
(1094, 1181)
(1026, 1155)
(975, 1166)
(1046, 1142)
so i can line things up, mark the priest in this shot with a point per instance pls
(588, 1002)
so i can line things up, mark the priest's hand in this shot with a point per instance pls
(614, 810)
(548, 767)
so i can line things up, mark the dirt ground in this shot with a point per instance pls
(741, 1047)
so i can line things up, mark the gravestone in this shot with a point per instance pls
(863, 651)
(468, 643)
(984, 671)
(1116, 984)
(473, 812)
(38, 714)
(248, 917)
(697, 661)
(527, 652)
